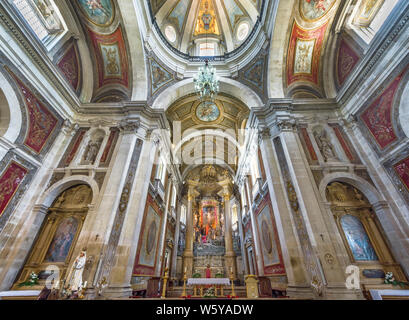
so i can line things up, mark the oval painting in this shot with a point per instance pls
(315, 9)
(267, 239)
(150, 238)
(207, 111)
(99, 12)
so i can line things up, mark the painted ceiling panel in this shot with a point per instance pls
(234, 12)
(180, 11)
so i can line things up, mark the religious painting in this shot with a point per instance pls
(207, 111)
(402, 170)
(111, 58)
(347, 59)
(62, 240)
(367, 12)
(159, 76)
(378, 116)
(255, 74)
(69, 64)
(150, 238)
(99, 12)
(10, 181)
(357, 238)
(315, 9)
(303, 56)
(206, 19)
(42, 122)
(112, 61)
(267, 230)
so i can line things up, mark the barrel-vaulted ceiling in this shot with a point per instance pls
(183, 22)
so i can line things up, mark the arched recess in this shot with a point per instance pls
(186, 87)
(279, 39)
(51, 193)
(393, 231)
(367, 189)
(11, 118)
(59, 233)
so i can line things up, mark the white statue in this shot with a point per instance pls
(92, 150)
(77, 270)
(325, 146)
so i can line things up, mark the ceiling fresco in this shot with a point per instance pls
(315, 9)
(99, 12)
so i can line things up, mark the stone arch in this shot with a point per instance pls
(218, 162)
(11, 117)
(56, 189)
(185, 87)
(362, 185)
(279, 39)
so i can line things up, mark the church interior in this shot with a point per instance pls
(179, 149)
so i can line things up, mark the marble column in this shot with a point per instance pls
(242, 236)
(133, 204)
(258, 253)
(100, 221)
(176, 241)
(292, 255)
(230, 256)
(188, 253)
(318, 240)
(162, 239)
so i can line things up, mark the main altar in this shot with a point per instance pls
(208, 233)
(201, 284)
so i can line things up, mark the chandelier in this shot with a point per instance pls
(206, 82)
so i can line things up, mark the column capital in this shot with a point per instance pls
(263, 134)
(192, 193)
(351, 122)
(129, 126)
(70, 128)
(286, 124)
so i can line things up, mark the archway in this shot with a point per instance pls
(362, 235)
(58, 235)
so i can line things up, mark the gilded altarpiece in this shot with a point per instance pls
(58, 235)
(361, 234)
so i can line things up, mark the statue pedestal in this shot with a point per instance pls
(252, 286)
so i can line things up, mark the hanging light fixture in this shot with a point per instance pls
(206, 82)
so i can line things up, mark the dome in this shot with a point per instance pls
(205, 27)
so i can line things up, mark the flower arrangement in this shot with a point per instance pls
(32, 280)
(390, 279)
